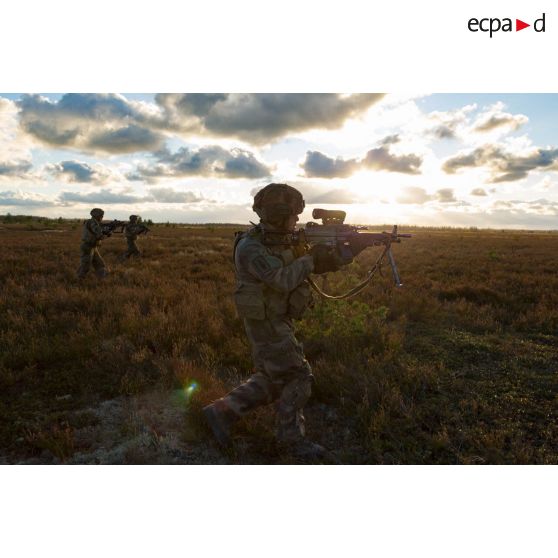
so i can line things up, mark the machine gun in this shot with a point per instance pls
(112, 226)
(347, 240)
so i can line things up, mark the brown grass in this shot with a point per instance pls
(459, 366)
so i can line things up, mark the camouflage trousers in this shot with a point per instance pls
(282, 376)
(89, 256)
(132, 250)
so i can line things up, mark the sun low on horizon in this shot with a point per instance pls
(484, 160)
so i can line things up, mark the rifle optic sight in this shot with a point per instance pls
(329, 216)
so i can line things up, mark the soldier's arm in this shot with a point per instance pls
(270, 269)
(96, 230)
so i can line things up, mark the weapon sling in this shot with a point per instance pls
(358, 288)
(335, 219)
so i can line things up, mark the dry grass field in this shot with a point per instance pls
(458, 366)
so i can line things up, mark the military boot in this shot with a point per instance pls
(220, 418)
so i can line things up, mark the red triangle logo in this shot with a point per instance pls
(519, 25)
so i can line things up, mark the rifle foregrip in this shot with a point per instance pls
(359, 242)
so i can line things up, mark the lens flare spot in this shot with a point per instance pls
(189, 390)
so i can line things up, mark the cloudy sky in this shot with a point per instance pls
(484, 160)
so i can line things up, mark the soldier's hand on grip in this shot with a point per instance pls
(325, 258)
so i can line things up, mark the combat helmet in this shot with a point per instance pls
(97, 212)
(276, 202)
(134, 218)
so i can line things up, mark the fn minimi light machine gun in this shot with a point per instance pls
(347, 240)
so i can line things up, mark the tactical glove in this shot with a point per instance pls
(325, 258)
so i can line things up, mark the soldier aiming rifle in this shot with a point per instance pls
(273, 263)
(94, 231)
(347, 241)
(132, 230)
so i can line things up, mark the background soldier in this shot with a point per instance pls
(271, 292)
(90, 239)
(132, 230)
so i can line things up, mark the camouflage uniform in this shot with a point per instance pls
(131, 232)
(89, 255)
(271, 292)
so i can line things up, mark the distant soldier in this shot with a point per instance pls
(131, 231)
(272, 291)
(90, 240)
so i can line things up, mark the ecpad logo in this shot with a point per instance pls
(493, 25)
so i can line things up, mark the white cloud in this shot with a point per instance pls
(413, 194)
(20, 198)
(382, 158)
(94, 123)
(170, 195)
(495, 119)
(478, 192)
(15, 148)
(127, 196)
(503, 164)
(208, 161)
(449, 124)
(82, 172)
(261, 118)
(445, 195)
(479, 146)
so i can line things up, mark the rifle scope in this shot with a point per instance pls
(329, 216)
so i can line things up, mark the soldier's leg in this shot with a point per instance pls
(133, 249)
(86, 255)
(293, 369)
(126, 254)
(223, 413)
(290, 375)
(129, 250)
(258, 390)
(99, 264)
(290, 406)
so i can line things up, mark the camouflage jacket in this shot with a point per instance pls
(92, 232)
(131, 230)
(271, 282)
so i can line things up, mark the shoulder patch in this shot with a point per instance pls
(261, 264)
